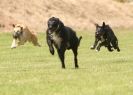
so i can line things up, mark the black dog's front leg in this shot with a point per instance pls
(95, 44)
(50, 44)
(61, 56)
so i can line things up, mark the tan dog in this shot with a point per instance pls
(21, 34)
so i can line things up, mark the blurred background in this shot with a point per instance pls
(78, 14)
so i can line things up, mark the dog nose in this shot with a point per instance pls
(14, 35)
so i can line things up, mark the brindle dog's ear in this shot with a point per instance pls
(96, 24)
(103, 24)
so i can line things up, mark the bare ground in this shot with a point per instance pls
(78, 14)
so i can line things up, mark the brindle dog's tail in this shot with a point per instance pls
(79, 40)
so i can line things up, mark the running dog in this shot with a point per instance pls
(63, 38)
(21, 34)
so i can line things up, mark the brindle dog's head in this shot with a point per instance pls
(17, 31)
(100, 30)
(54, 24)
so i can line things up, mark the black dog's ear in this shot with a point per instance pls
(60, 22)
(57, 19)
(103, 24)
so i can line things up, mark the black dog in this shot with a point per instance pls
(107, 38)
(62, 38)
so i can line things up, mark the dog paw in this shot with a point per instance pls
(110, 50)
(97, 50)
(92, 47)
(118, 50)
(13, 47)
(52, 51)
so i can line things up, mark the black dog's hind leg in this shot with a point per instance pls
(61, 56)
(75, 57)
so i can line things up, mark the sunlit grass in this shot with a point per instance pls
(29, 70)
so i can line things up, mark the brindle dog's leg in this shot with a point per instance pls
(95, 44)
(115, 45)
(109, 48)
(99, 46)
(108, 45)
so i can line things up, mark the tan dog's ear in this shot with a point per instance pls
(13, 25)
(21, 28)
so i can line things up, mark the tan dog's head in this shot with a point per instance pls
(17, 31)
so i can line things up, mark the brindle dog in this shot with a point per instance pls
(104, 36)
(63, 38)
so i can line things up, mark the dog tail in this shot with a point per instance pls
(79, 40)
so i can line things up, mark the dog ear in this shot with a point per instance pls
(61, 23)
(103, 24)
(57, 19)
(96, 24)
(13, 25)
(21, 28)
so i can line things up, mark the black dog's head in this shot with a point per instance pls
(54, 24)
(17, 32)
(100, 30)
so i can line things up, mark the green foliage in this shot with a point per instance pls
(29, 70)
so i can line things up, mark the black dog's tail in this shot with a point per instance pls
(79, 40)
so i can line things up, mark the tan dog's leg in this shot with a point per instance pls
(35, 40)
(14, 43)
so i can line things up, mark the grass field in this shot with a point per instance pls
(29, 70)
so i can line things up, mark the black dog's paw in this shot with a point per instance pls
(118, 50)
(97, 50)
(92, 47)
(110, 50)
(52, 51)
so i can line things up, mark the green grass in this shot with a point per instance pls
(29, 70)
